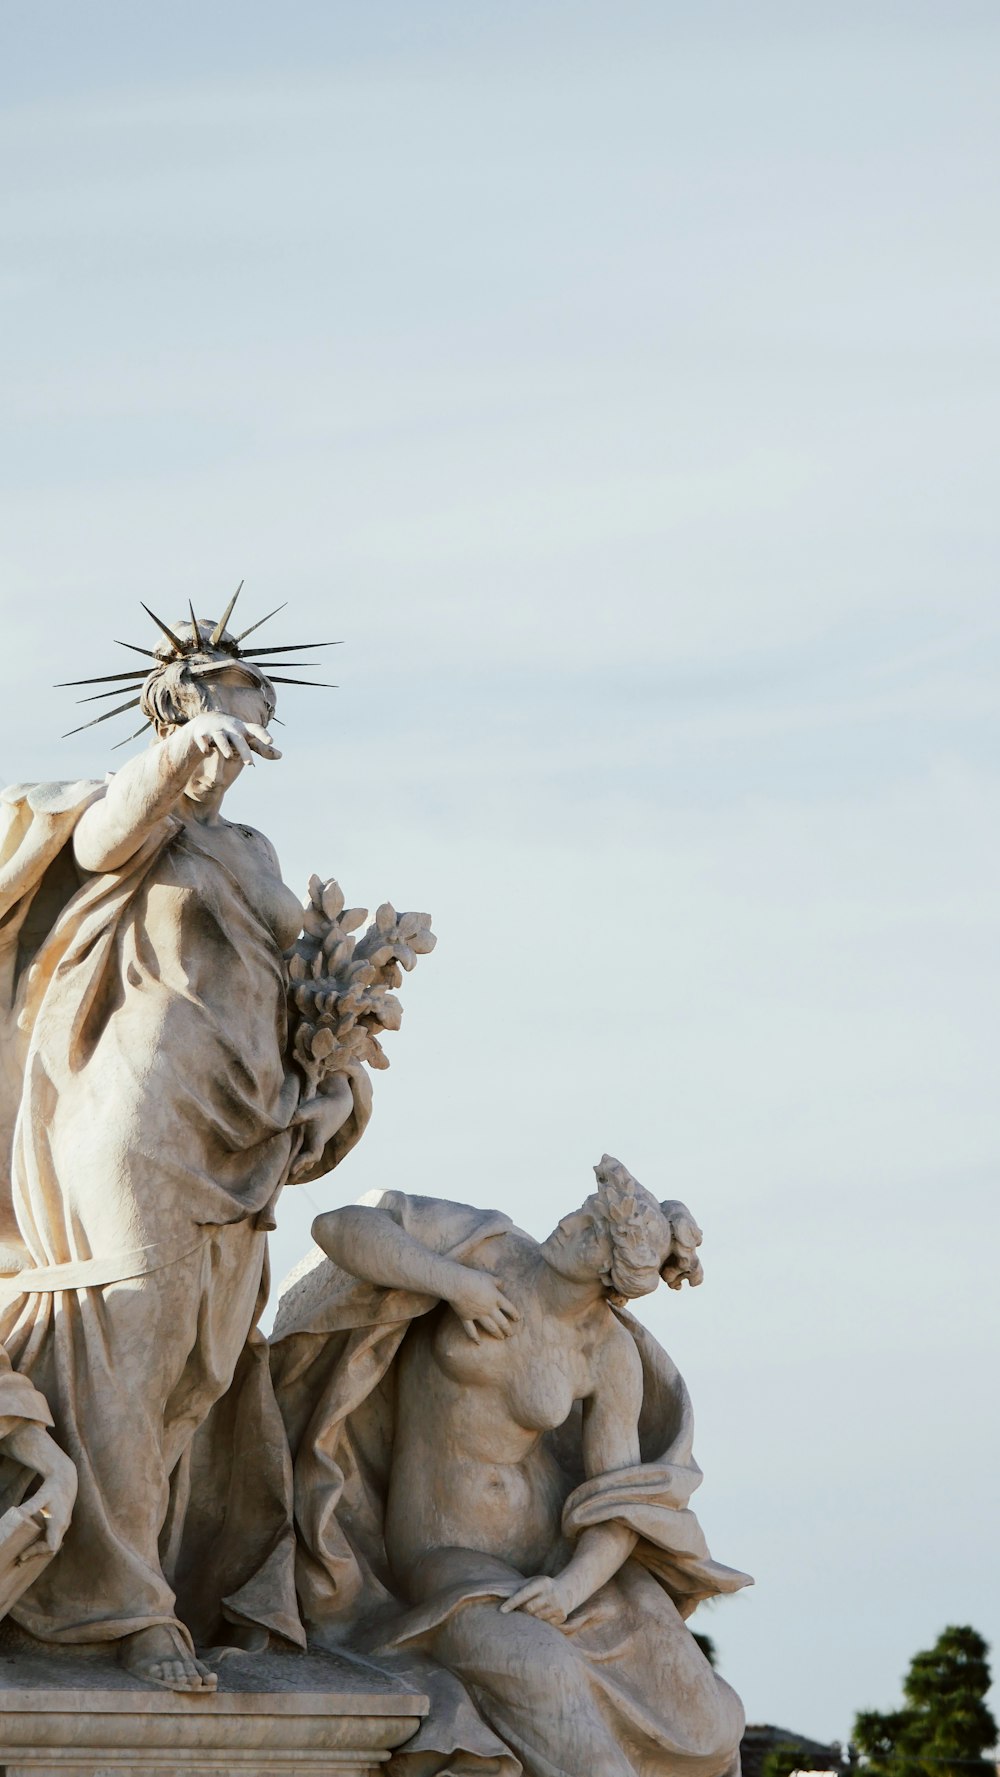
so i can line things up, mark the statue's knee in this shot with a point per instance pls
(531, 1655)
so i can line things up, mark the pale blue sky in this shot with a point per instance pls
(620, 381)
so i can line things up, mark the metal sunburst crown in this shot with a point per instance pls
(185, 640)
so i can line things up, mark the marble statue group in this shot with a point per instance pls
(458, 1456)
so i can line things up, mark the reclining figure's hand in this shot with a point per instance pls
(540, 1597)
(479, 1301)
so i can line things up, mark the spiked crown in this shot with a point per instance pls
(204, 647)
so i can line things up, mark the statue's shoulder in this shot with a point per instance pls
(454, 1229)
(54, 798)
(258, 840)
(36, 821)
(616, 1353)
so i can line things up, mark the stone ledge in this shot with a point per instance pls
(273, 1715)
(117, 1761)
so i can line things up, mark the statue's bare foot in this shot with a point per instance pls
(161, 1656)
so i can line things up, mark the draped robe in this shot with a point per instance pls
(145, 1105)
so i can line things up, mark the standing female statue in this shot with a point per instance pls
(492, 1468)
(151, 1119)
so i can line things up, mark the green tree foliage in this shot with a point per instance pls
(707, 1646)
(945, 1726)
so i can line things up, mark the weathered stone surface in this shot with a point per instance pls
(272, 1715)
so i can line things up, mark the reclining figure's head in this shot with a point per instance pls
(624, 1237)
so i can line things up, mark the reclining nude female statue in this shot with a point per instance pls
(492, 1464)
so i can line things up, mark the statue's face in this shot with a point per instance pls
(213, 774)
(580, 1247)
(234, 698)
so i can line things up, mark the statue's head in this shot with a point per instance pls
(200, 666)
(206, 677)
(624, 1237)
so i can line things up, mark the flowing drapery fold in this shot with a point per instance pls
(145, 1109)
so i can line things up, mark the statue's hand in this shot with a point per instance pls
(215, 732)
(31, 1445)
(479, 1301)
(55, 1499)
(319, 1119)
(540, 1597)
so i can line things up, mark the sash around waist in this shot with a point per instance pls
(81, 1274)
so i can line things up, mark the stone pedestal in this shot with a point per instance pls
(273, 1715)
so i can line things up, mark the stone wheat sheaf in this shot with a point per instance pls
(340, 997)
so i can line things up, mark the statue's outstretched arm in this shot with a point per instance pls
(114, 828)
(369, 1244)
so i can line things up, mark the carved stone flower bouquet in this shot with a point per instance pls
(340, 993)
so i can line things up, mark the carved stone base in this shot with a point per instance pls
(273, 1715)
